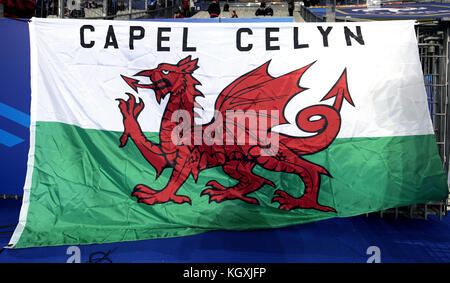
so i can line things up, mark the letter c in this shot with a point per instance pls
(82, 42)
(238, 39)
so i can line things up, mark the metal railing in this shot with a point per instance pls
(309, 16)
(433, 56)
(433, 39)
(107, 9)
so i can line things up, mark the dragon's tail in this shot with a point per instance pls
(323, 120)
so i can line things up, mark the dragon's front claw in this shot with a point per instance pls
(130, 108)
(130, 111)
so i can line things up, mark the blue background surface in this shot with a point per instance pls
(14, 105)
(332, 240)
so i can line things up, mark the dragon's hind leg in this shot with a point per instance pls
(149, 196)
(287, 161)
(248, 182)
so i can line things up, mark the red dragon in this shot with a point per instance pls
(257, 91)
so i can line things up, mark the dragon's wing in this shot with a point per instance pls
(257, 92)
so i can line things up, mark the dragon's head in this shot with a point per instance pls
(168, 78)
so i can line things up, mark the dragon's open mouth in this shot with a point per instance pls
(160, 88)
(161, 84)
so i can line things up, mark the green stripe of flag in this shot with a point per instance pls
(82, 184)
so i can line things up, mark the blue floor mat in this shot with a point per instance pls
(332, 240)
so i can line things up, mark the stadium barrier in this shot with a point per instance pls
(108, 9)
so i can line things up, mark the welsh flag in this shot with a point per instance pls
(146, 130)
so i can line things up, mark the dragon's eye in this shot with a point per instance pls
(165, 72)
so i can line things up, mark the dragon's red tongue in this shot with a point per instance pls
(131, 82)
(134, 84)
